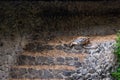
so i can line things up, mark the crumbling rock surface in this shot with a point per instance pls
(98, 64)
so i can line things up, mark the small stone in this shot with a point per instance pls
(78, 71)
(22, 73)
(87, 76)
(60, 60)
(78, 47)
(26, 60)
(18, 73)
(77, 64)
(30, 60)
(94, 76)
(3, 60)
(107, 79)
(3, 74)
(57, 74)
(59, 47)
(76, 59)
(92, 71)
(50, 61)
(84, 71)
(68, 58)
(67, 73)
(40, 60)
(34, 73)
(70, 63)
(47, 75)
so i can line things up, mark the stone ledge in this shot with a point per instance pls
(42, 74)
(55, 53)
(41, 60)
(37, 79)
(60, 67)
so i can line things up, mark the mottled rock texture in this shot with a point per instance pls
(99, 64)
(34, 21)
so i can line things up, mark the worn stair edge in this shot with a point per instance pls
(60, 67)
(55, 53)
(41, 60)
(36, 79)
(30, 73)
(58, 40)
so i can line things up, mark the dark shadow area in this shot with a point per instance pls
(38, 47)
(40, 19)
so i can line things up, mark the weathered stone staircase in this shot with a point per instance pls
(52, 61)
(46, 65)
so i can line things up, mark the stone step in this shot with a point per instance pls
(60, 67)
(56, 53)
(42, 60)
(65, 40)
(36, 79)
(32, 73)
